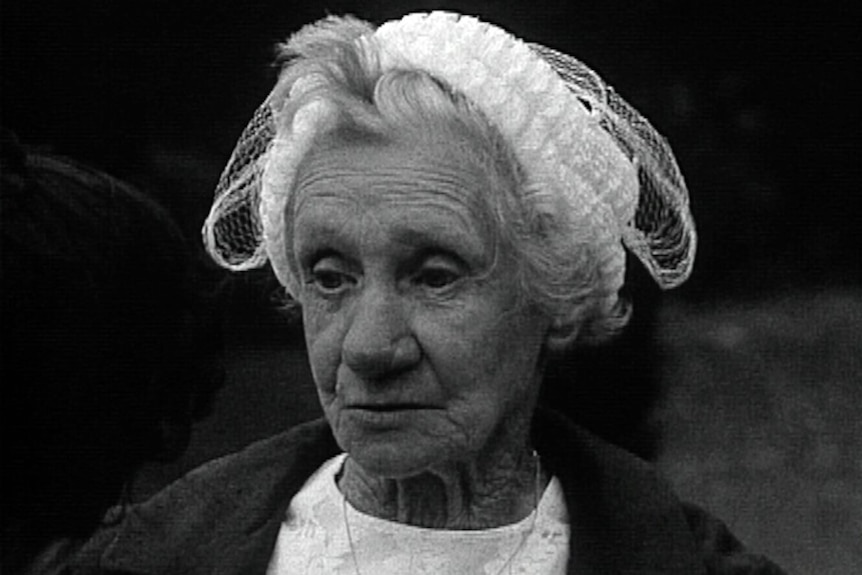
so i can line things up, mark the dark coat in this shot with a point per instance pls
(224, 517)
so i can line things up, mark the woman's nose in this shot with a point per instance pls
(378, 340)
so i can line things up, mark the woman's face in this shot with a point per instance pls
(422, 350)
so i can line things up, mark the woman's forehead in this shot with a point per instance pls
(416, 187)
(403, 164)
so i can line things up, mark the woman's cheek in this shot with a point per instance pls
(323, 342)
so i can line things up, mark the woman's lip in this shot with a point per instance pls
(384, 407)
(384, 416)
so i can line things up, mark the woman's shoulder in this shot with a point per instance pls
(215, 506)
(280, 454)
(628, 514)
(253, 471)
(722, 552)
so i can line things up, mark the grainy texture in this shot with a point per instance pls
(763, 423)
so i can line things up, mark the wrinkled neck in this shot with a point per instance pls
(500, 486)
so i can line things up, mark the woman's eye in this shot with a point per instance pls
(329, 281)
(437, 278)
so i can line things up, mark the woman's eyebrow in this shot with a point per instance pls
(452, 241)
(322, 240)
(319, 253)
(435, 228)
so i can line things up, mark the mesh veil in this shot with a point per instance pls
(233, 233)
(661, 234)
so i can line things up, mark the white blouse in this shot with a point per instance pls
(314, 539)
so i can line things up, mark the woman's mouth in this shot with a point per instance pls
(384, 415)
(384, 407)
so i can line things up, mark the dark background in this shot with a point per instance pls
(760, 101)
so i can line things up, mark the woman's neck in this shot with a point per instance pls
(479, 494)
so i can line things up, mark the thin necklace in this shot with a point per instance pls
(508, 563)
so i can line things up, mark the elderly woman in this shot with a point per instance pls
(449, 206)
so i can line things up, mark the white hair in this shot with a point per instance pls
(555, 254)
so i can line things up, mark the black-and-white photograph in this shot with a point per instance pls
(424, 287)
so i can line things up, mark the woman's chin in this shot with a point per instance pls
(393, 446)
(395, 460)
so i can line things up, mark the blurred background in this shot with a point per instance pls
(758, 357)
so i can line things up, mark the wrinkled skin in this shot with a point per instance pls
(426, 357)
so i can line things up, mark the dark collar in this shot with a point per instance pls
(222, 518)
(624, 517)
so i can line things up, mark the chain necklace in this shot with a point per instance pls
(508, 563)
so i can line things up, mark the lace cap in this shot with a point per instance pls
(571, 132)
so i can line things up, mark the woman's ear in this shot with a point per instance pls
(562, 334)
